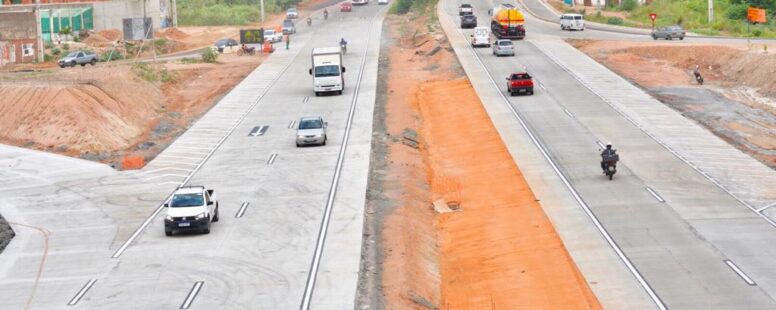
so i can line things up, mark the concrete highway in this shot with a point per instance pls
(109, 250)
(665, 233)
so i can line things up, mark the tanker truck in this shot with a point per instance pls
(506, 22)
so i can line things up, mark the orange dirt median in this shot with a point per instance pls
(499, 251)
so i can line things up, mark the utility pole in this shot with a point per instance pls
(262, 11)
(39, 32)
(711, 11)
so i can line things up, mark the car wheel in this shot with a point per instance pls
(207, 229)
(62, 66)
(324, 141)
(297, 144)
(72, 64)
(168, 232)
(215, 217)
(511, 93)
(83, 65)
(92, 62)
(681, 38)
(654, 37)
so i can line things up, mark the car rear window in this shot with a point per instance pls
(520, 76)
(505, 43)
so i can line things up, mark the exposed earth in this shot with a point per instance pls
(437, 224)
(737, 101)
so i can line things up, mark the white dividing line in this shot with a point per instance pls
(199, 165)
(306, 99)
(740, 273)
(291, 124)
(601, 145)
(164, 176)
(766, 207)
(655, 194)
(321, 240)
(192, 294)
(271, 158)
(652, 294)
(172, 162)
(165, 155)
(163, 169)
(568, 112)
(542, 86)
(242, 209)
(82, 292)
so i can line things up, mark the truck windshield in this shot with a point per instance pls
(328, 70)
(187, 200)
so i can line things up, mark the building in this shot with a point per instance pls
(18, 37)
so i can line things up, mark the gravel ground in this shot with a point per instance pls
(6, 233)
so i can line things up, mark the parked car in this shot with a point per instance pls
(288, 27)
(468, 21)
(382, 1)
(669, 33)
(272, 36)
(292, 13)
(225, 44)
(520, 82)
(481, 37)
(346, 6)
(311, 130)
(191, 208)
(78, 58)
(572, 22)
(360, 2)
(503, 48)
(465, 9)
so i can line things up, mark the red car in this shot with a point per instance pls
(346, 7)
(520, 82)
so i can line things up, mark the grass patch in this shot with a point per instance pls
(227, 12)
(153, 73)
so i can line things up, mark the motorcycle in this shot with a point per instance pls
(610, 168)
(698, 77)
(309, 22)
(325, 14)
(246, 50)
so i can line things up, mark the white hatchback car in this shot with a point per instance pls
(382, 1)
(481, 37)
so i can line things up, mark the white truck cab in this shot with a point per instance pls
(191, 208)
(327, 70)
(572, 22)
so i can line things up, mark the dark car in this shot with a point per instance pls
(669, 33)
(468, 21)
(226, 43)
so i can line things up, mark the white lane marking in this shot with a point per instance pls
(652, 294)
(542, 86)
(740, 273)
(82, 292)
(655, 194)
(306, 99)
(192, 294)
(321, 240)
(766, 207)
(601, 145)
(271, 158)
(199, 165)
(176, 156)
(291, 124)
(242, 209)
(171, 162)
(164, 176)
(568, 112)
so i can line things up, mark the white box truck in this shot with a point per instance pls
(327, 70)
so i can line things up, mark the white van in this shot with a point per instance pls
(481, 37)
(572, 22)
(327, 70)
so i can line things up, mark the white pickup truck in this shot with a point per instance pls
(191, 208)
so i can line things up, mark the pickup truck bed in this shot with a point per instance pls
(520, 82)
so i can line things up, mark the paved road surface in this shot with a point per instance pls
(678, 236)
(258, 261)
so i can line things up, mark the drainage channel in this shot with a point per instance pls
(543, 150)
(324, 228)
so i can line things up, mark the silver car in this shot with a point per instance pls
(503, 47)
(311, 130)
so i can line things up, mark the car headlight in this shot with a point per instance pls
(201, 215)
(168, 218)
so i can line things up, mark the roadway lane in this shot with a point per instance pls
(261, 260)
(684, 266)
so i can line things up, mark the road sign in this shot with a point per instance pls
(252, 36)
(755, 15)
(652, 16)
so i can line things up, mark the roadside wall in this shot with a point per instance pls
(109, 15)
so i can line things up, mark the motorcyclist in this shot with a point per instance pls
(325, 14)
(608, 157)
(697, 74)
(309, 21)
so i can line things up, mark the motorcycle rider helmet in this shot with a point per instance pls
(608, 145)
